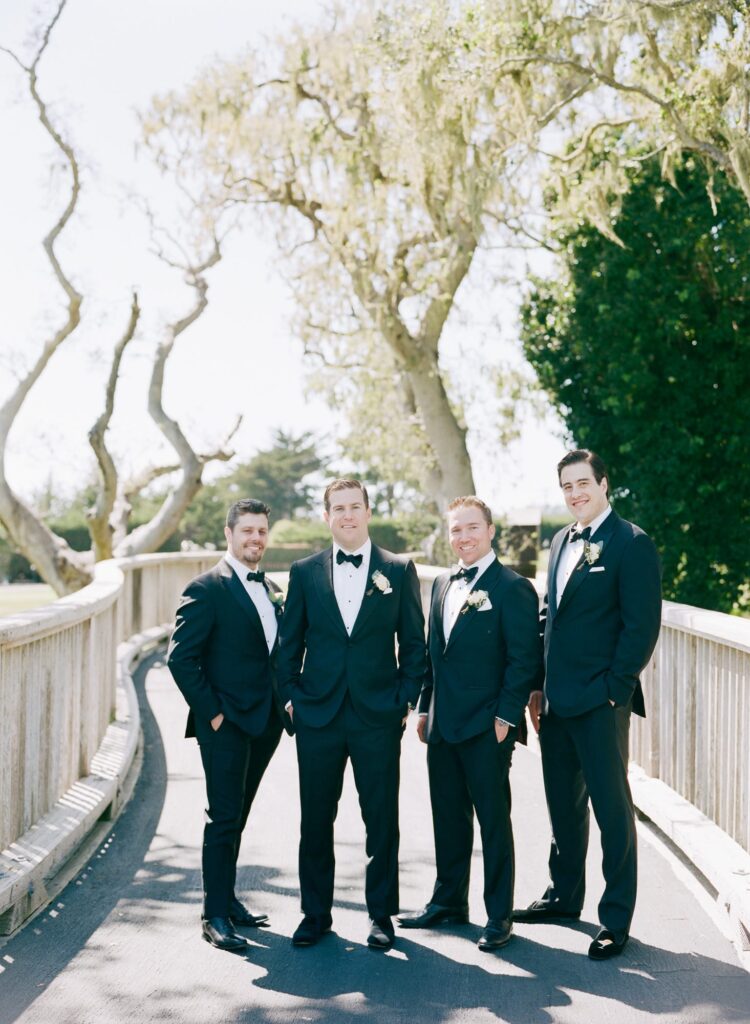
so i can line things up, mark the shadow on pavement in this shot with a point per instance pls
(416, 983)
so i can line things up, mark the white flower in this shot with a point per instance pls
(591, 552)
(477, 598)
(381, 582)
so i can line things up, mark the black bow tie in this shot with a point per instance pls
(583, 535)
(256, 577)
(465, 574)
(341, 557)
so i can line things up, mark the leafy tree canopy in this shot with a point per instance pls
(645, 351)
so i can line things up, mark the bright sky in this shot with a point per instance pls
(104, 63)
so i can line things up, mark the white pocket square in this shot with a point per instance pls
(597, 568)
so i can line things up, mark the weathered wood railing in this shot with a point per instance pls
(57, 678)
(696, 738)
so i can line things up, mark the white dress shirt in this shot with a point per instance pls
(259, 596)
(350, 583)
(458, 591)
(571, 553)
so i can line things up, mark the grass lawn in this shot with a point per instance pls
(20, 597)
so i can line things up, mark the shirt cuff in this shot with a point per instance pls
(287, 705)
(503, 722)
(423, 714)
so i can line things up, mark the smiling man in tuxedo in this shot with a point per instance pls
(348, 691)
(485, 658)
(222, 658)
(601, 617)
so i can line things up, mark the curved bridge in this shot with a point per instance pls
(120, 938)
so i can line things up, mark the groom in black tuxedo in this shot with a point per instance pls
(485, 658)
(348, 691)
(222, 658)
(601, 617)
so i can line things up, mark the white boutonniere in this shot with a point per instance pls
(591, 552)
(277, 600)
(478, 599)
(381, 582)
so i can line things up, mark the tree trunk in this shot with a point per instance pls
(64, 569)
(453, 476)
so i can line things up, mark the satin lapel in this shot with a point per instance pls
(487, 581)
(438, 607)
(234, 585)
(554, 561)
(372, 595)
(323, 578)
(582, 568)
(278, 611)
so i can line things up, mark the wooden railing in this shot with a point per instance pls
(57, 691)
(696, 737)
(57, 678)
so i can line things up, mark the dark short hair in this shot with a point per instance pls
(242, 507)
(472, 501)
(591, 458)
(344, 485)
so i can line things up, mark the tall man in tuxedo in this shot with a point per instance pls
(348, 692)
(601, 621)
(222, 656)
(485, 658)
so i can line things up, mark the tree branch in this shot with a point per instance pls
(151, 535)
(99, 517)
(59, 565)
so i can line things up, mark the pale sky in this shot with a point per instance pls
(105, 61)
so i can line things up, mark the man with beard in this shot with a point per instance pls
(222, 656)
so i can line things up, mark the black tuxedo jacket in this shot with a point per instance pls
(491, 663)
(600, 633)
(319, 662)
(218, 653)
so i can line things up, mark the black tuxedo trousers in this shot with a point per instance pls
(465, 776)
(233, 763)
(586, 757)
(322, 753)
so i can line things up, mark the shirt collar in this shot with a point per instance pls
(484, 563)
(596, 523)
(364, 550)
(239, 567)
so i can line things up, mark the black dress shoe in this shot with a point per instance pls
(381, 933)
(240, 915)
(605, 945)
(544, 910)
(311, 928)
(495, 935)
(220, 933)
(432, 915)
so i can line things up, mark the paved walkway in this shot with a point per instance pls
(122, 942)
